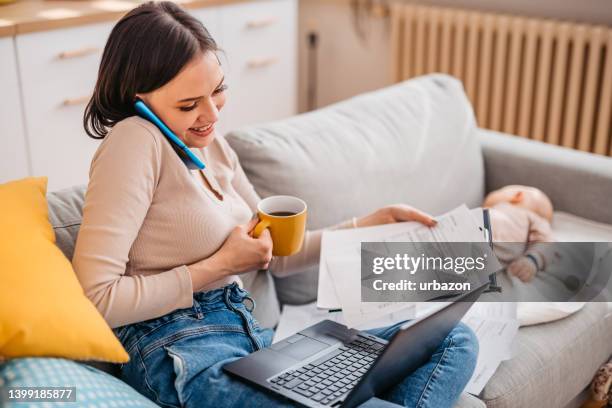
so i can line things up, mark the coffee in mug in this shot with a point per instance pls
(283, 213)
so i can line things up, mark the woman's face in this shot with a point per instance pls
(190, 103)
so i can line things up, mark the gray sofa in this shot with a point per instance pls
(417, 142)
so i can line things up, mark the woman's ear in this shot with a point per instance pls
(143, 98)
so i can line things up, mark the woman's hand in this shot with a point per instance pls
(395, 213)
(242, 253)
(239, 253)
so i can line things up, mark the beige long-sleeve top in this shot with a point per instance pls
(146, 216)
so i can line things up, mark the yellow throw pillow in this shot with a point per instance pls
(43, 310)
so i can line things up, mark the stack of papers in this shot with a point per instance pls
(340, 263)
(495, 336)
(495, 325)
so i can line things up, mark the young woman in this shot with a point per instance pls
(161, 247)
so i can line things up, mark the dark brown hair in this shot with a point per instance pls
(148, 47)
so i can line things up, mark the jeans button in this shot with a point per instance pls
(251, 303)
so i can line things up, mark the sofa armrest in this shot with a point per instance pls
(576, 182)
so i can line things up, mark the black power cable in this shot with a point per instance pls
(313, 42)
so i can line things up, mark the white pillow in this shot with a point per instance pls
(566, 228)
(529, 313)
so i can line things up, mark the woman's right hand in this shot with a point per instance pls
(239, 253)
(243, 253)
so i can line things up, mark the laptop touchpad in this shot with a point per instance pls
(304, 348)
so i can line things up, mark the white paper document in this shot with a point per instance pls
(340, 262)
(495, 325)
(495, 336)
(347, 284)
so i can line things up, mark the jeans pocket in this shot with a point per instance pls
(149, 377)
(120, 333)
(180, 371)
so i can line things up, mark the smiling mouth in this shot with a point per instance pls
(201, 128)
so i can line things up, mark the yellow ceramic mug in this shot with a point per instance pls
(285, 217)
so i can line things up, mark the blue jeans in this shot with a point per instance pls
(176, 360)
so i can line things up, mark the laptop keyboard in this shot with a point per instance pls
(333, 375)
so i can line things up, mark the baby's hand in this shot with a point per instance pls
(523, 268)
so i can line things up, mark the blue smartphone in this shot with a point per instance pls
(189, 158)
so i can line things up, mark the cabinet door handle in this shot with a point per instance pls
(262, 22)
(261, 62)
(81, 52)
(76, 101)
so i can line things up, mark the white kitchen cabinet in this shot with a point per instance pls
(58, 73)
(259, 40)
(58, 70)
(13, 148)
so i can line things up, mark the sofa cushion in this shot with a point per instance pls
(469, 401)
(34, 275)
(552, 362)
(414, 142)
(93, 388)
(65, 214)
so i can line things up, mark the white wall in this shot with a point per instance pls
(346, 64)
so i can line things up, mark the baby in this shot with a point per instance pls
(521, 214)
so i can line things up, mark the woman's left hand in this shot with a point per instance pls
(396, 213)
